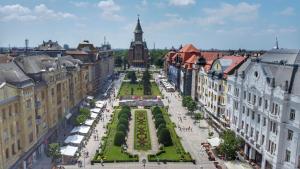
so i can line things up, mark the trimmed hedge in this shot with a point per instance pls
(119, 138)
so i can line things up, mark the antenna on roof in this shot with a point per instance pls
(276, 44)
(104, 40)
(26, 45)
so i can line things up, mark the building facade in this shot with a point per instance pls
(138, 55)
(38, 97)
(212, 88)
(263, 104)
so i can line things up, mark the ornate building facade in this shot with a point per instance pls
(138, 52)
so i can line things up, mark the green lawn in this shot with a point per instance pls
(142, 139)
(138, 90)
(175, 152)
(110, 152)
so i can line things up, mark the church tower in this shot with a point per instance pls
(138, 32)
(138, 52)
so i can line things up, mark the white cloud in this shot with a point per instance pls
(181, 2)
(142, 5)
(44, 12)
(80, 3)
(240, 12)
(110, 10)
(22, 13)
(287, 11)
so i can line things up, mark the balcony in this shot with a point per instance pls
(38, 120)
(252, 141)
(242, 133)
(258, 146)
(37, 104)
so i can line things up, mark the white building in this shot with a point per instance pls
(264, 107)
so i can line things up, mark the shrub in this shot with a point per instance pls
(80, 119)
(159, 121)
(165, 137)
(123, 121)
(119, 138)
(122, 127)
(156, 110)
(157, 116)
(123, 116)
(160, 129)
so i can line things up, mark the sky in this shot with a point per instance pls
(232, 24)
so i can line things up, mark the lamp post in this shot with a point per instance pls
(144, 162)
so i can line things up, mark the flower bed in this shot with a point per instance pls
(142, 139)
(109, 151)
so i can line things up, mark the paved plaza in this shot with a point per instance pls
(191, 137)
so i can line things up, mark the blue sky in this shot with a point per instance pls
(232, 24)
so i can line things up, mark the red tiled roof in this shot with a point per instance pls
(236, 61)
(189, 48)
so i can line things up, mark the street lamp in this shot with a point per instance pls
(144, 162)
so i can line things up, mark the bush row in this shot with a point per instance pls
(163, 133)
(123, 124)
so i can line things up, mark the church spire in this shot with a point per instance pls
(138, 28)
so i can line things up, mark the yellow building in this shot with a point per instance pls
(38, 94)
(212, 88)
(17, 120)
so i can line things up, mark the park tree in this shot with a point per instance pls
(165, 137)
(54, 152)
(146, 82)
(132, 76)
(186, 100)
(118, 61)
(230, 144)
(119, 138)
(191, 106)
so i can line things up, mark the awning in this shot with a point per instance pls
(68, 150)
(89, 122)
(81, 129)
(94, 115)
(95, 110)
(75, 139)
(90, 97)
(214, 142)
(68, 116)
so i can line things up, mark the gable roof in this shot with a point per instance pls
(189, 48)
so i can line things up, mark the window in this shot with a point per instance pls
(242, 124)
(236, 92)
(256, 135)
(245, 94)
(249, 97)
(7, 153)
(254, 99)
(259, 101)
(29, 121)
(258, 118)
(19, 145)
(251, 132)
(265, 121)
(243, 110)
(253, 115)
(290, 135)
(28, 104)
(292, 114)
(273, 127)
(266, 104)
(262, 139)
(236, 105)
(287, 155)
(247, 128)
(248, 112)
(30, 137)
(13, 152)
(3, 114)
